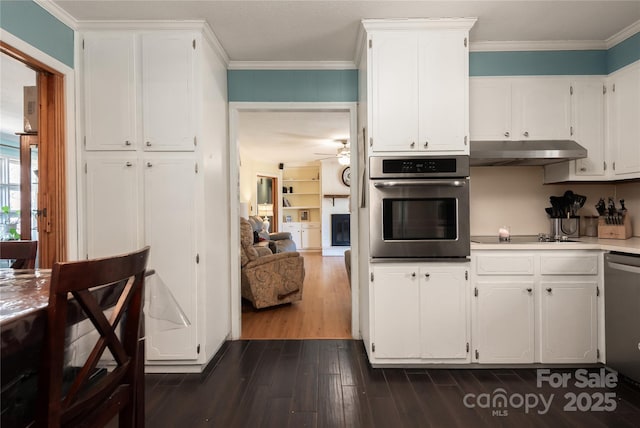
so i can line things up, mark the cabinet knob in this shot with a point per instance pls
(426, 144)
(129, 164)
(127, 143)
(148, 143)
(427, 275)
(413, 144)
(506, 134)
(149, 164)
(529, 290)
(413, 274)
(526, 133)
(583, 169)
(549, 290)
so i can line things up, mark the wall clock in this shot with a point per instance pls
(346, 176)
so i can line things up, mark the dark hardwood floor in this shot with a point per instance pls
(329, 383)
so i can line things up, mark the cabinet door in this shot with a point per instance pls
(625, 126)
(443, 86)
(489, 109)
(542, 109)
(588, 125)
(168, 91)
(295, 231)
(311, 236)
(396, 312)
(170, 230)
(113, 200)
(394, 97)
(444, 312)
(504, 321)
(568, 322)
(109, 62)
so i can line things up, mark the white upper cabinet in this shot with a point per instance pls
(527, 108)
(395, 106)
(419, 85)
(490, 109)
(109, 65)
(542, 109)
(167, 91)
(444, 83)
(139, 91)
(588, 126)
(624, 121)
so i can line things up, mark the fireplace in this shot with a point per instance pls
(340, 230)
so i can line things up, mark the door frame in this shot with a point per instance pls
(234, 198)
(59, 119)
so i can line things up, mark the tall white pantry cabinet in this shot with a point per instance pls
(154, 130)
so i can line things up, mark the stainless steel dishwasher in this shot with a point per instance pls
(622, 313)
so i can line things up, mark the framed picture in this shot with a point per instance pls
(304, 215)
(287, 219)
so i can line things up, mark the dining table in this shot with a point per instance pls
(24, 298)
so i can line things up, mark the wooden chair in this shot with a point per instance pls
(94, 285)
(23, 252)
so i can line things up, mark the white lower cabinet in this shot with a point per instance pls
(311, 236)
(396, 312)
(568, 321)
(420, 313)
(545, 315)
(170, 230)
(504, 322)
(307, 236)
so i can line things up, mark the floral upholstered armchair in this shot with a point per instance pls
(269, 279)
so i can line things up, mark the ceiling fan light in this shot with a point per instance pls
(344, 160)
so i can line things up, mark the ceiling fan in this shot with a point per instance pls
(343, 154)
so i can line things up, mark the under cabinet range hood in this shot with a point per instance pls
(509, 153)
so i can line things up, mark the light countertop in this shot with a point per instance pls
(631, 245)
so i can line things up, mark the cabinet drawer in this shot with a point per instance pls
(504, 265)
(569, 265)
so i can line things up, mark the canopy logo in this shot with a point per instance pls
(500, 401)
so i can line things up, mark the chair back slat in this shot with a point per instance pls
(89, 284)
(23, 252)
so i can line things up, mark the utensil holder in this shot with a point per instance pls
(614, 231)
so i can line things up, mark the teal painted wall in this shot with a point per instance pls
(342, 85)
(538, 63)
(624, 53)
(293, 85)
(31, 23)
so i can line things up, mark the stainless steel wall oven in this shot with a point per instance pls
(419, 207)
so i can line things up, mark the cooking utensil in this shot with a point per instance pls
(600, 207)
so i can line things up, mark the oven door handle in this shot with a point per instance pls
(420, 183)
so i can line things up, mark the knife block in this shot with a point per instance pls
(615, 231)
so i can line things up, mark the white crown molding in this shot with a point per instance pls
(418, 23)
(554, 45)
(141, 25)
(623, 34)
(212, 39)
(360, 46)
(59, 13)
(291, 65)
(191, 25)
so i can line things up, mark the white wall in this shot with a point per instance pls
(630, 192)
(331, 177)
(515, 196)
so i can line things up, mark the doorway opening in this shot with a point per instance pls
(42, 145)
(266, 197)
(319, 270)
